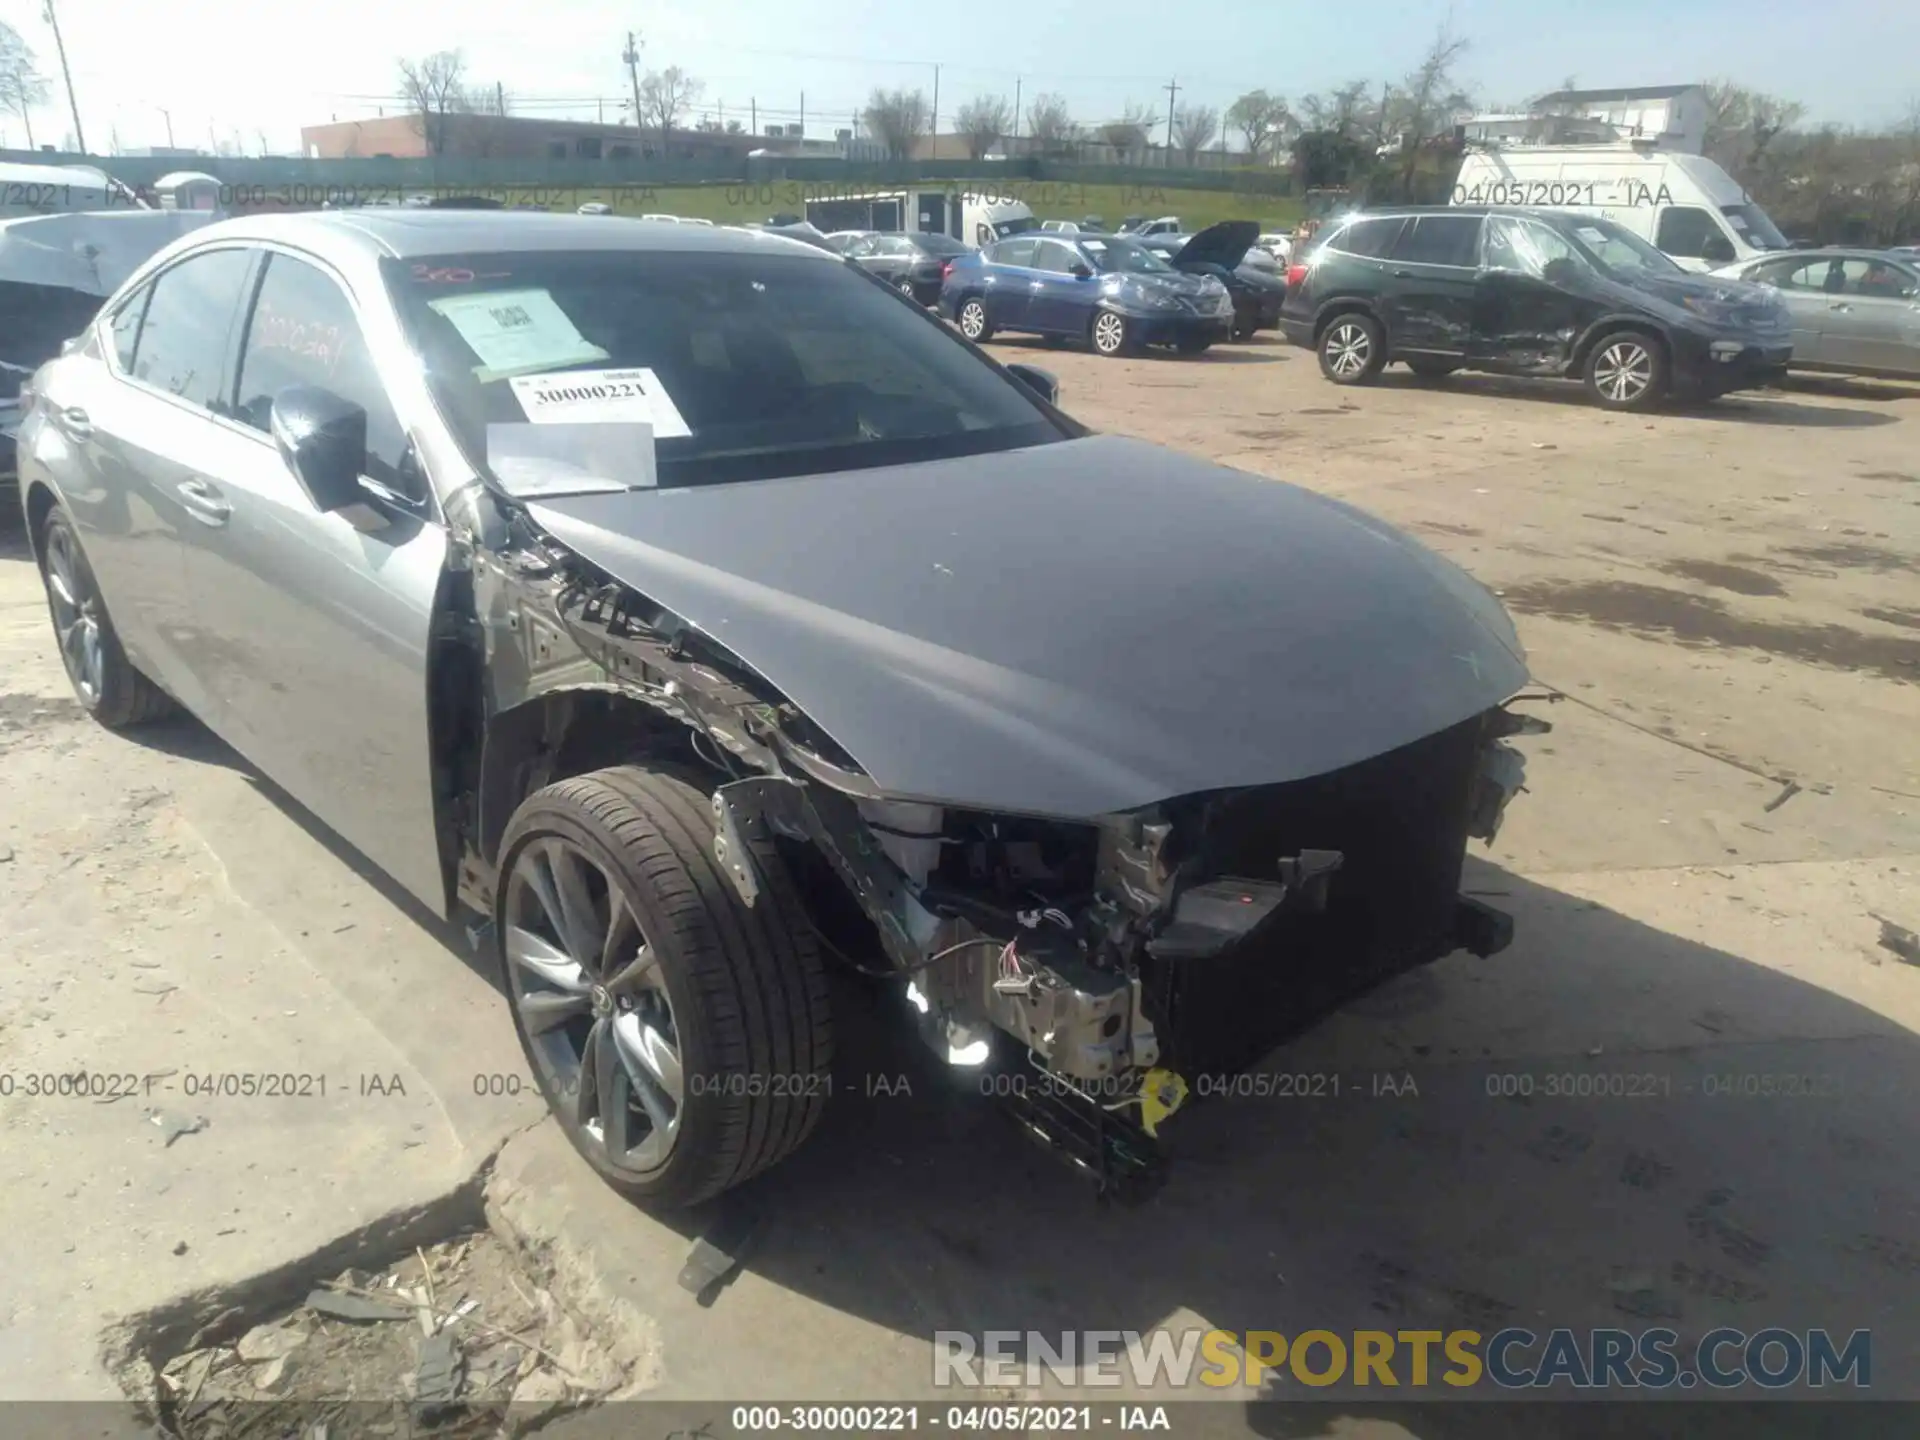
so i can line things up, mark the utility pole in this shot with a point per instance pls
(79, 137)
(1172, 88)
(753, 116)
(499, 97)
(1016, 110)
(167, 115)
(803, 116)
(632, 57)
(936, 112)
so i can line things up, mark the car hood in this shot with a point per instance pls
(1225, 244)
(1073, 629)
(1723, 289)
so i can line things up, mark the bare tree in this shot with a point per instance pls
(494, 99)
(1262, 119)
(896, 118)
(1426, 101)
(1194, 127)
(1345, 111)
(1051, 124)
(1130, 132)
(985, 121)
(21, 85)
(433, 91)
(666, 96)
(1742, 124)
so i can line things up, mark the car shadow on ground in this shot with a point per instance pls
(1456, 1207)
(1844, 387)
(1764, 407)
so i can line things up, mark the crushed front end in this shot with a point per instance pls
(1096, 970)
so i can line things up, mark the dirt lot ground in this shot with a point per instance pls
(1725, 814)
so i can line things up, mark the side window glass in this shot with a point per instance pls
(1685, 230)
(1439, 240)
(1877, 280)
(1514, 246)
(183, 339)
(126, 326)
(303, 332)
(1054, 257)
(860, 249)
(1014, 252)
(1369, 238)
(1781, 274)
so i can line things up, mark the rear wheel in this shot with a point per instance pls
(1627, 371)
(103, 679)
(681, 1037)
(1111, 334)
(1430, 369)
(1352, 349)
(973, 320)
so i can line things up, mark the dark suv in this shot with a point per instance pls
(1528, 292)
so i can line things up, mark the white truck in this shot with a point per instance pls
(1681, 203)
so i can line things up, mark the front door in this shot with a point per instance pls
(1432, 269)
(1801, 284)
(1535, 298)
(317, 623)
(1059, 301)
(1873, 320)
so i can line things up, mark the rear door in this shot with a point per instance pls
(1060, 302)
(1801, 284)
(138, 423)
(1432, 268)
(1009, 267)
(320, 669)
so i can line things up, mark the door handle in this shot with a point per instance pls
(203, 501)
(1403, 275)
(75, 422)
(1840, 305)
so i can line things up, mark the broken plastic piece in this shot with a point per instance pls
(716, 1254)
(1161, 1093)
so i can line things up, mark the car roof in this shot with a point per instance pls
(406, 232)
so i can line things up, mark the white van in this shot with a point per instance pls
(970, 217)
(1684, 204)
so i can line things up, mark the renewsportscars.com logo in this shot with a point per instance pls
(1513, 1359)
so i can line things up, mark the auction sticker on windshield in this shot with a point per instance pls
(584, 396)
(516, 331)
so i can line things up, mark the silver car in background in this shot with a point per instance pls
(1854, 311)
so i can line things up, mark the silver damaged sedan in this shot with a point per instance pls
(702, 618)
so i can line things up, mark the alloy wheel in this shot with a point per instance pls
(593, 1002)
(1109, 333)
(76, 615)
(1348, 348)
(1624, 371)
(973, 319)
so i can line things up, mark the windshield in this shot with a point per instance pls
(1618, 250)
(748, 366)
(1751, 224)
(1124, 257)
(1019, 226)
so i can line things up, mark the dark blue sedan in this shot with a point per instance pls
(1111, 292)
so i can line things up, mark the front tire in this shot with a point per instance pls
(1111, 334)
(973, 321)
(681, 1037)
(1627, 371)
(103, 679)
(1352, 349)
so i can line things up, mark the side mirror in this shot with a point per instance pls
(1717, 249)
(1043, 383)
(323, 439)
(1080, 272)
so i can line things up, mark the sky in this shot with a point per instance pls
(251, 74)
